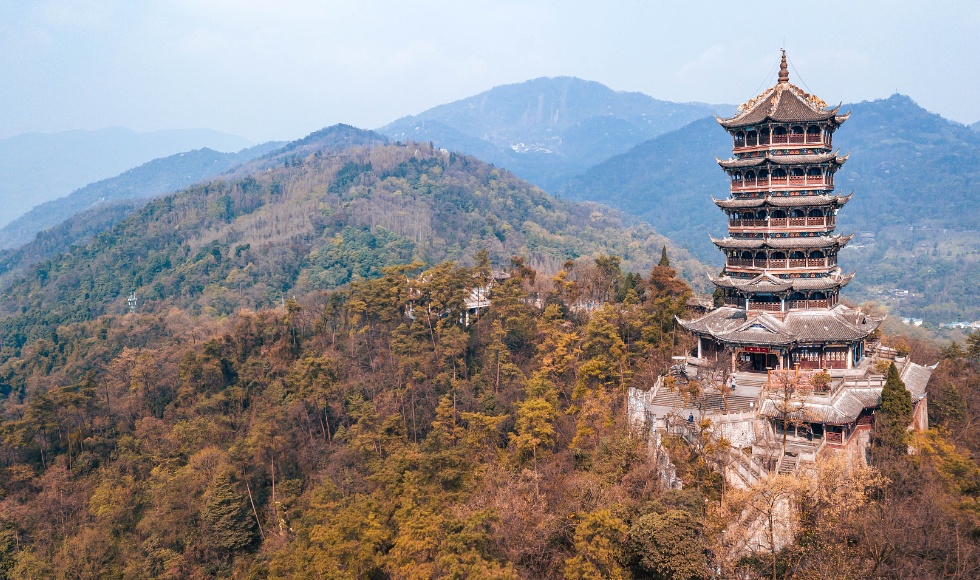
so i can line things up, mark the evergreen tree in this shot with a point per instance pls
(892, 421)
(228, 524)
(664, 261)
(669, 545)
(973, 345)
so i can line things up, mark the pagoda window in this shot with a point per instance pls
(764, 137)
(751, 138)
(760, 255)
(737, 176)
(813, 134)
(779, 173)
(750, 175)
(797, 296)
(778, 256)
(818, 296)
(814, 172)
(797, 255)
(796, 172)
(817, 255)
(817, 213)
(746, 255)
(797, 213)
(779, 131)
(740, 139)
(761, 214)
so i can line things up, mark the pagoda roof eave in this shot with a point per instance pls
(783, 201)
(810, 242)
(833, 158)
(734, 327)
(782, 103)
(767, 283)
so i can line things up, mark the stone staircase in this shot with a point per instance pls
(787, 465)
(712, 403)
(746, 471)
(757, 380)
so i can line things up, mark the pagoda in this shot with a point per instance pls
(781, 282)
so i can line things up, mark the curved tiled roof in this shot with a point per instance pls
(784, 201)
(802, 159)
(809, 242)
(844, 409)
(731, 326)
(766, 282)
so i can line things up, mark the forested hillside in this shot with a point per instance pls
(377, 431)
(366, 432)
(310, 222)
(916, 180)
(116, 198)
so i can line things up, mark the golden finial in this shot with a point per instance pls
(783, 70)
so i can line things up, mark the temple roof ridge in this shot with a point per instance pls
(783, 102)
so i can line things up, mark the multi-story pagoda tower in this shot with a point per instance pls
(781, 282)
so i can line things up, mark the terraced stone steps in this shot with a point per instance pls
(713, 403)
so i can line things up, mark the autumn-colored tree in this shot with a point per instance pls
(598, 541)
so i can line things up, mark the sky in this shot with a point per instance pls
(280, 69)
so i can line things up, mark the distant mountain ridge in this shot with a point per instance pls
(548, 129)
(38, 167)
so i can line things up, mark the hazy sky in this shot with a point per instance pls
(280, 69)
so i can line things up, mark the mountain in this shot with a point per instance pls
(302, 219)
(151, 179)
(38, 167)
(548, 129)
(916, 178)
(112, 200)
(975, 126)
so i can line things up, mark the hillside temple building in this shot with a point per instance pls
(781, 322)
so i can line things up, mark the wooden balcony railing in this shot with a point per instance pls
(783, 263)
(807, 222)
(795, 181)
(789, 138)
(767, 306)
(801, 304)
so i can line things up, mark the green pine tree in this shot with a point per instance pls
(892, 421)
(228, 522)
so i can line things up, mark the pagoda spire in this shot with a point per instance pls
(783, 70)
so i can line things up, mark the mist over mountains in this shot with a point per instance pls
(153, 178)
(38, 167)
